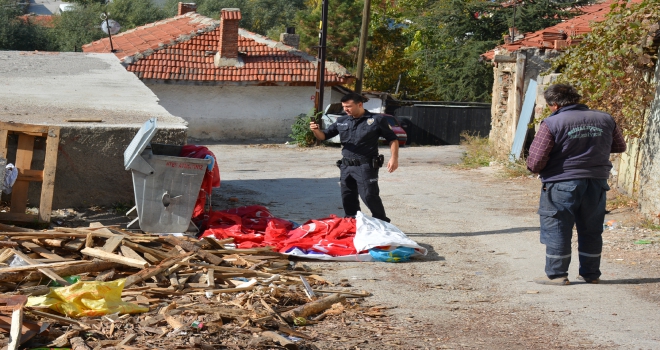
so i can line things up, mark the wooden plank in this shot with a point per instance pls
(75, 245)
(84, 120)
(42, 251)
(83, 232)
(3, 143)
(523, 121)
(129, 338)
(35, 267)
(98, 253)
(69, 268)
(30, 175)
(18, 127)
(19, 192)
(62, 319)
(188, 246)
(15, 331)
(112, 243)
(6, 254)
(19, 217)
(130, 253)
(11, 228)
(46, 271)
(42, 234)
(50, 165)
(142, 249)
(240, 288)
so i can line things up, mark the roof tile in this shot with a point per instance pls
(158, 52)
(570, 29)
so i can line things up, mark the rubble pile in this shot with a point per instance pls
(102, 287)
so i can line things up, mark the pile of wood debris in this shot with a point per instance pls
(199, 293)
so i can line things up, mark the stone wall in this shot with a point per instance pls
(501, 116)
(649, 174)
(507, 97)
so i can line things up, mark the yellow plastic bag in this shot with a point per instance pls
(88, 298)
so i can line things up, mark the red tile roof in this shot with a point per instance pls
(229, 14)
(183, 48)
(562, 35)
(41, 20)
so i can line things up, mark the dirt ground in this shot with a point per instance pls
(474, 289)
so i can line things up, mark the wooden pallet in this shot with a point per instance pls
(19, 196)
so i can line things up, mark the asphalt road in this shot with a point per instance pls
(475, 288)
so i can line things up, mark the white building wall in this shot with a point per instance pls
(237, 112)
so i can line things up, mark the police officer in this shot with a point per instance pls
(359, 131)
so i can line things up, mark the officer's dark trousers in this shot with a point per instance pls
(564, 204)
(361, 180)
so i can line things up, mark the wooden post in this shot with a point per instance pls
(24, 154)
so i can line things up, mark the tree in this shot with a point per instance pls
(18, 33)
(388, 65)
(78, 27)
(135, 13)
(454, 33)
(258, 16)
(612, 67)
(343, 30)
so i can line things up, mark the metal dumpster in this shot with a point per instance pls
(166, 186)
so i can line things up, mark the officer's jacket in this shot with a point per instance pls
(359, 136)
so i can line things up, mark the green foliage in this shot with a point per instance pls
(516, 169)
(258, 16)
(386, 63)
(78, 27)
(478, 152)
(613, 66)
(135, 13)
(343, 30)
(82, 24)
(452, 34)
(20, 34)
(301, 133)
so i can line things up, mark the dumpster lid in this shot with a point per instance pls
(132, 159)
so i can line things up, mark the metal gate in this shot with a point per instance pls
(441, 123)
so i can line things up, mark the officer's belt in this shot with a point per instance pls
(355, 161)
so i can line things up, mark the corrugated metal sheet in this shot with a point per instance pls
(443, 123)
(525, 117)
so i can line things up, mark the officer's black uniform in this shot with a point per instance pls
(359, 138)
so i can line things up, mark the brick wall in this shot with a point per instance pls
(228, 42)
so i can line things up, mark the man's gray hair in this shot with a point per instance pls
(561, 95)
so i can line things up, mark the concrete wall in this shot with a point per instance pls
(649, 175)
(90, 165)
(626, 168)
(63, 89)
(237, 112)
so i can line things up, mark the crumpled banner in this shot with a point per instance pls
(254, 226)
(87, 299)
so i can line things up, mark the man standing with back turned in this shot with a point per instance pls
(571, 153)
(359, 131)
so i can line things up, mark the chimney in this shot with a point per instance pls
(290, 38)
(185, 7)
(228, 45)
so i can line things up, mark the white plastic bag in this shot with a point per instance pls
(372, 232)
(10, 178)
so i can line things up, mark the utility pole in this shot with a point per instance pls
(364, 34)
(320, 63)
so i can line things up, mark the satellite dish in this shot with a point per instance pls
(112, 24)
